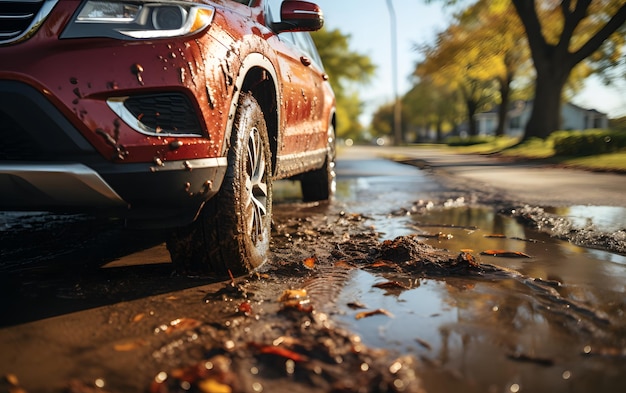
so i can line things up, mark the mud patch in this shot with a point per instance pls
(585, 234)
(291, 323)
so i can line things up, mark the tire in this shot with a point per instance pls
(320, 184)
(232, 233)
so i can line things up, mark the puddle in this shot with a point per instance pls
(603, 218)
(498, 335)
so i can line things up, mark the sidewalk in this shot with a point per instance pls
(530, 182)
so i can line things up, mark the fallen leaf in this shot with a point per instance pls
(390, 285)
(380, 311)
(505, 253)
(180, 324)
(282, 352)
(126, 346)
(423, 343)
(12, 379)
(213, 386)
(138, 317)
(292, 294)
(309, 262)
(355, 305)
(495, 236)
(343, 264)
(383, 263)
(245, 308)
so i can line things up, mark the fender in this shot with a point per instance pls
(252, 60)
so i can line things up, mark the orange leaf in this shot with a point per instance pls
(382, 263)
(282, 352)
(310, 262)
(245, 308)
(138, 317)
(343, 264)
(505, 253)
(180, 324)
(390, 285)
(213, 386)
(127, 346)
(292, 294)
(366, 314)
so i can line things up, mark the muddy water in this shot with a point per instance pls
(497, 334)
(549, 322)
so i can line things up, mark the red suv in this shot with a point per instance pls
(175, 114)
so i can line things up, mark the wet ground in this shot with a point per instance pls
(401, 284)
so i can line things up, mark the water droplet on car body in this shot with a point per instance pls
(175, 144)
(137, 69)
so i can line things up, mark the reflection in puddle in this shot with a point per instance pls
(603, 218)
(499, 335)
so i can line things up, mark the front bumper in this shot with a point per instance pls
(47, 164)
(164, 196)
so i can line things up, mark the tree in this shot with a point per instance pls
(497, 34)
(425, 107)
(345, 70)
(584, 26)
(455, 63)
(431, 107)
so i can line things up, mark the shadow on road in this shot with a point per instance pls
(55, 265)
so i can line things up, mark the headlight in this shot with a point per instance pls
(128, 20)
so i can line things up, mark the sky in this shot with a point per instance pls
(368, 24)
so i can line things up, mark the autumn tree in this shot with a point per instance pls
(481, 52)
(431, 107)
(456, 64)
(497, 38)
(345, 69)
(583, 27)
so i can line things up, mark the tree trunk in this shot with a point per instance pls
(545, 117)
(439, 130)
(471, 111)
(504, 105)
(554, 63)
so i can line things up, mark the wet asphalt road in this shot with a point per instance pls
(87, 304)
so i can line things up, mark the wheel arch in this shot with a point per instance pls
(258, 76)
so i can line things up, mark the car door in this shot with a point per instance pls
(298, 90)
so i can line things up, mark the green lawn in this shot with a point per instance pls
(538, 149)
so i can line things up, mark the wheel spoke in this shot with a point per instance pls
(256, 186)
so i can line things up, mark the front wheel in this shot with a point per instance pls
(232, 233)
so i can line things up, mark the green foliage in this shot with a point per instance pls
(585, 143)
(382, 121)
(345, 69)
(618, 124)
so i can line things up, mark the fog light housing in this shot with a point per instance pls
(162, 114)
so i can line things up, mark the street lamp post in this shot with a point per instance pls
(397, 108)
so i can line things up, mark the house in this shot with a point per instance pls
(573, 117)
